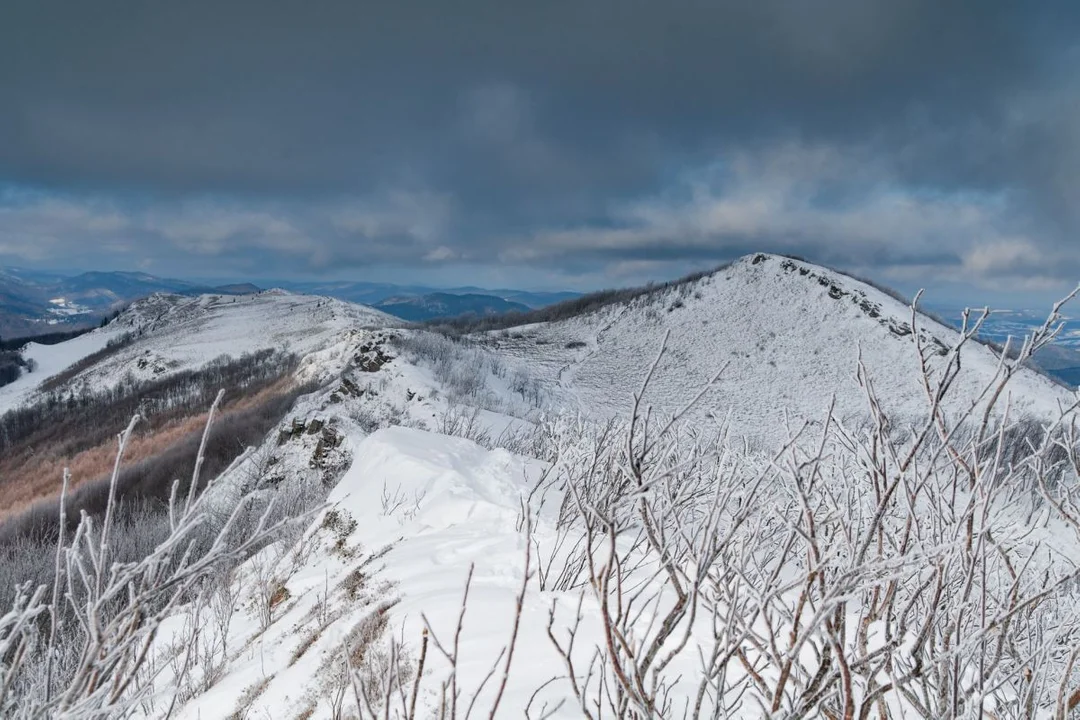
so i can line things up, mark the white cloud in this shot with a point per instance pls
(820, 198)
(419, 215)
(838, 205)
(440, 254)
(38, 227)
(210, 229)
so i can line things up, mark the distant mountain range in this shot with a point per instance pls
(372, 293)
(36, 302)
(446, 305)
(418, 303)
(1062, 360)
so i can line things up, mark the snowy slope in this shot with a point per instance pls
(787, 335)
(369, 557)
(180, 332)
(50, 360)
(466, 508)
(413, 510)
(415, 517)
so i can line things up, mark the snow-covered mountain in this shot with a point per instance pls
(169, 333)
(784, 340)
(33, 303)
(414, 516)
(785, 337)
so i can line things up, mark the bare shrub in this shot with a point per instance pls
(82, 650)
(386, 683)
(460, 365)
(464, 422)
(855, 573)
(872, 571)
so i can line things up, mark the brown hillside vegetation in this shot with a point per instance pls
(31, 477)
(77, 430)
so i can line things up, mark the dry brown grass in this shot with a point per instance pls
(36, 476)
(251, 694)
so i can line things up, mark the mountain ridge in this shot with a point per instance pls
(36, 302)
(807, 359)
(33, 303)
(786, 334)
(714, 320)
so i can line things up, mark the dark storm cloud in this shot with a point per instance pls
(235, 95)
(574, 134)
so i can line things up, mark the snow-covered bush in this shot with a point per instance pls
(78, 648)
(467, 370)
(880, 568)
(874, 571)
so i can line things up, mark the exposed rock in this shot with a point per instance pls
(370, 357)
(322, 458)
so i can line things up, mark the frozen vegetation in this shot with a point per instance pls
(769, 492)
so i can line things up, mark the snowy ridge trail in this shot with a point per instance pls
(203, 327)
(416, 518)
(402, 528)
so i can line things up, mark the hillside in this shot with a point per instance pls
(784, 335)
(33, 303)
(495, 529)
(182, 332)
(164, 358)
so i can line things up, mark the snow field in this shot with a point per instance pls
(51, 359)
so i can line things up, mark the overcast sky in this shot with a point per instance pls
(546, 144)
